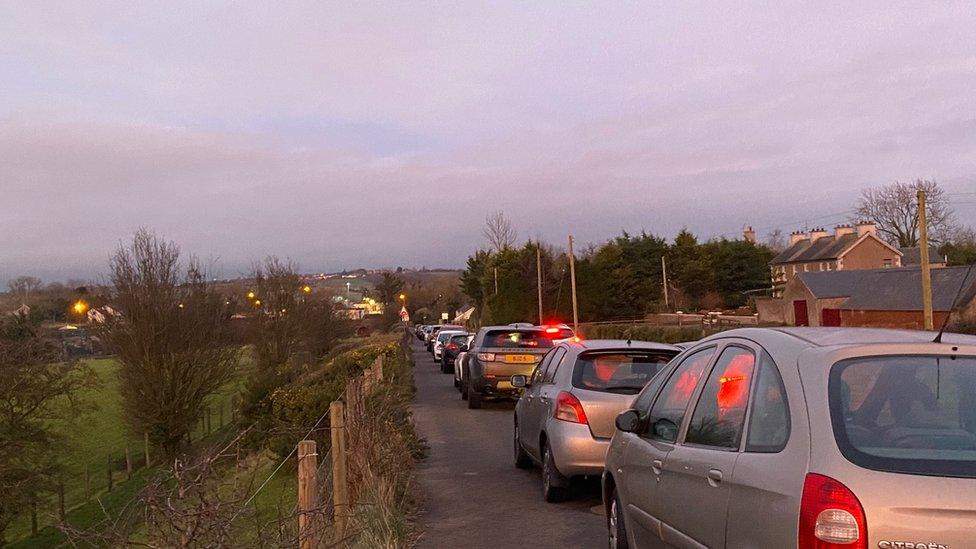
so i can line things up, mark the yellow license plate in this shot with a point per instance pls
(504, 386)
(519, 359)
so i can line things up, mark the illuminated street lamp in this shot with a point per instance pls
(307, 289)
(250, 295)
(80, 307)
(257, 302)
(403, 297)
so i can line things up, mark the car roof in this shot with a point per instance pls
(619, 344)
(840, 337)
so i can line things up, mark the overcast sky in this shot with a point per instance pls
(346, 135)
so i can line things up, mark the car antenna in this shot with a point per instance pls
(945, 321)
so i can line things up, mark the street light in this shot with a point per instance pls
(250, 295)
(80, 307)
(403, 297)
(307, 289)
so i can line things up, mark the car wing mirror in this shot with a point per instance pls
(520, 381)
(628, 421)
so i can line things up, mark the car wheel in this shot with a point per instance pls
(522, 459)
(554, 484)
(457, 383)
(616, 528)
(445, 367)
(464, 390)
(474, 400)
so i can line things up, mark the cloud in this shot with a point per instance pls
(380, 135)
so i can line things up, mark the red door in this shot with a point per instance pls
(830, 317)
(800, 317)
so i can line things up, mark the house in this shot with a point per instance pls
(850, 247)
(912, 256)
(888, 298)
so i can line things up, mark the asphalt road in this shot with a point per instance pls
(474, 495)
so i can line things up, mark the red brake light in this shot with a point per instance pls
(452, 346)
(552, 330)
(568, 408)
(830, 516)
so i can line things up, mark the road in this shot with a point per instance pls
(474, 495)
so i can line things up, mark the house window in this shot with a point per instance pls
(828, 266)
(887, 263)
(805, 267)
(822, 266)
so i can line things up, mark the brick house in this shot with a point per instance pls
(888, 298)
(850, 247)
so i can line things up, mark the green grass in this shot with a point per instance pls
(91, 441)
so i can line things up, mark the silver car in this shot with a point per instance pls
(565, 415)
(808, 437)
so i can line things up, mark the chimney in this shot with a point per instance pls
(817, 234)
(749, 235)
(866, 227)
(843, 230)
(797, 236)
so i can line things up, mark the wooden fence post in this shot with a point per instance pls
(340, 490)
(145, 443)
(308, 508)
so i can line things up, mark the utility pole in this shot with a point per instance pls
(496, 280)
(664, 281)
(572, 279)
(923, 243)
(538, 276)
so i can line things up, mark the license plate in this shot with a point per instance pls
(519, 359)
(504, 386)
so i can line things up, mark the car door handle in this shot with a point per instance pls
(714, 477)
(656, 466)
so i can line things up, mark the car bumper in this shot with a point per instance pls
(575, 450)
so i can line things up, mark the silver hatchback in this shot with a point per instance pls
(564, 417)
(808, 437)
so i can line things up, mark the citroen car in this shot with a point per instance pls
(800, 437)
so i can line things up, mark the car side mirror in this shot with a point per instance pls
(628, 421)
(520, 381)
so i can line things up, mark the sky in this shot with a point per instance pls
(345, 135)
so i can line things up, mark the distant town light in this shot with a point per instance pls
(80, 307)
(307, 289)
(250, 295)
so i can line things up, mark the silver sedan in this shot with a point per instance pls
(808, 437)
(564, 417)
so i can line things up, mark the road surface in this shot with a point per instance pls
(474, 495)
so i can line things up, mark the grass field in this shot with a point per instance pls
(91, 441)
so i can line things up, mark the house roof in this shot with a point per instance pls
(891, 289)
(823, 249)
(826, 247)
(912, 255)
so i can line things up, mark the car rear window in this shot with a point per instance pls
(459, 339)
(906, 414)
(618, 372)
(517, 339)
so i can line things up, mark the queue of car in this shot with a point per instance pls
(756, 437)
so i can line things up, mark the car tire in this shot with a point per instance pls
(555, 487)
(457, 384)
(616, 527)
(446, 368)
(474, 400)
(464, 390)
(522, 459)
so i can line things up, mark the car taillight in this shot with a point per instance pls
(452, 346)
(830, 516)
(568, 408)
(486, 357)
(552, 330)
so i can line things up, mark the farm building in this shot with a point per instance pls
(890, 298)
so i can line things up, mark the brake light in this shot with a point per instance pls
(552, 330)
(486, 357)
(830, 516)
(452, 346)
(568, 408)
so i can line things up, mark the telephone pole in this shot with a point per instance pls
(538, 276)
(496, 280)
(664, 281)
(572, 279)
(923, 243)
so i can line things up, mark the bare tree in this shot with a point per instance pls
(499, 231)
(36, 393)
(894, 210)
(24, 286)
(776, 240)
(170, 335)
